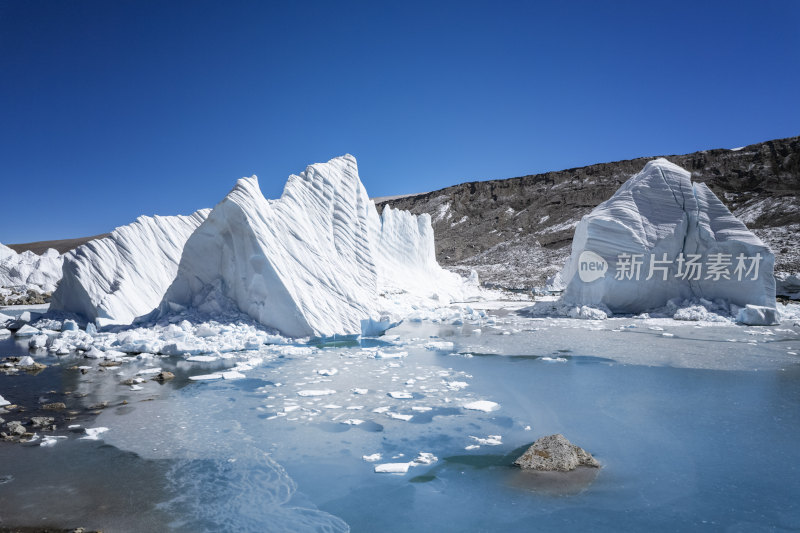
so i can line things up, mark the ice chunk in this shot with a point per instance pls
(401, 395)
(442, 346)
(426, 458)
(27, 331)
(491, 440)
(755, 315)
(51, 440)
(202, 358)
(316, 392)
(206, 377)
(385, 354)
(94, 433)
(482, 405)
(393, 468)
(4, 402)
(372, 458)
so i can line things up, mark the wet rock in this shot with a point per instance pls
(55, 406)
(98, 406)
(165, 376)
(43, 422)
(555, 453)
(15, 428)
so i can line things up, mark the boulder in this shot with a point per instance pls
(555, 453)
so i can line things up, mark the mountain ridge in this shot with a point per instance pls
(516, 232)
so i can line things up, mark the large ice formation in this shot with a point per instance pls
(28, 270)
(661, 237)
(123, 276)
(311, 263)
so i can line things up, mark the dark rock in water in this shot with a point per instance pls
(555, 453)
(15, 427)
(45, 422)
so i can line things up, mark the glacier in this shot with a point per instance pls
(118, 278)
(318, 261)
(27, 270)
(661, 237)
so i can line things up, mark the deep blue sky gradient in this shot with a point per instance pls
(112, 109)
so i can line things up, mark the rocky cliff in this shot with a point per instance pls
(517, 232)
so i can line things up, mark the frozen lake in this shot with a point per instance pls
(694, 426)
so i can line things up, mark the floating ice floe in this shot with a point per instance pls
(94, 433)
(442, 346)
(424, 458)
(51, 440)
(202, 358)
(385, 354)
(482, 405)
(490, 440)
(206, 377)
(315, 392)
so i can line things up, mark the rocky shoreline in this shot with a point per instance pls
(12, 296)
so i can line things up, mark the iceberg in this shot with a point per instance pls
(661, 237)
(123, 276)
(28, 270)
(313, 262)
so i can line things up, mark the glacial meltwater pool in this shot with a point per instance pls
(697, 427)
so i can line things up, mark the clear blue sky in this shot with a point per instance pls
(112, 109)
